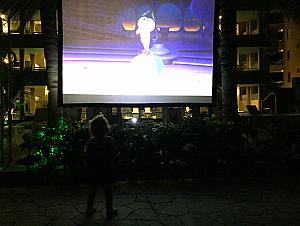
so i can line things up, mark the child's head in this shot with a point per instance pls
(99, 126)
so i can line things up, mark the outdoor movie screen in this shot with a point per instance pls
(137, 51)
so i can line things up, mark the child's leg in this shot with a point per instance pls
(110, 211)
(108, 196)
(91, 198)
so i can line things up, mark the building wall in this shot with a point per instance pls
(292, 52)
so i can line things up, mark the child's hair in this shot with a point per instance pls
(99, 126)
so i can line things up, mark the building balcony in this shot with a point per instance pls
(33, 77)
(258, 77)
(252, 77)
(276, 77)
(28, 67)
(22, 41)
(20, 79)
(252, 40)
(276, 68)
(243, 68)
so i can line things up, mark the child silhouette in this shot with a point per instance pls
(101, 164)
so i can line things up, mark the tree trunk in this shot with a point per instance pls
(2, 109)
(48, 18)
(228, 60)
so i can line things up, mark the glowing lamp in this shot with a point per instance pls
(134, 120)
(46, 91)
(169, 16)
(128, 18)
(6, 61)
(129, 25)
(191, 28)
(177, 28)
(191, 25)
(169, 27)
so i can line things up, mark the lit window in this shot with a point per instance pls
(147, 110)
(135, 110)
(5, 26)
(248, 58)
(247, 23)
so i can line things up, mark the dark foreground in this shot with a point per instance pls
(230, 202)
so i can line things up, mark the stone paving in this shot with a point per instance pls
(152, 203)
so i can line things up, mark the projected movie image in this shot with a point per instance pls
(138, 52)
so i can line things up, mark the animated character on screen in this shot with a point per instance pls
(145, 26)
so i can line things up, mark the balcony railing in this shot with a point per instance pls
(39, 69)
(25, 33)
(242, 68)
(16, 67)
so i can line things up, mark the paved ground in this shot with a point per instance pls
(183, 203)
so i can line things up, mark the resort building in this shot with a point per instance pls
(267, 62)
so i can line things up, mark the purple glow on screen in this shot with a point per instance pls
(138, 52)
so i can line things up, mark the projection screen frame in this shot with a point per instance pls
(208, 101)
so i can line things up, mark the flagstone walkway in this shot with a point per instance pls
(153, 203)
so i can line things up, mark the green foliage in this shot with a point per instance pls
(159, 143)
(143, 145)
(193, 146)
(47, 144)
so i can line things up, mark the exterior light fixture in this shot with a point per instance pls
(46, 91)
(2, 16)
(134, 120)
(6, 61)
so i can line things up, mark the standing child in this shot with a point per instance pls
(101, 164)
